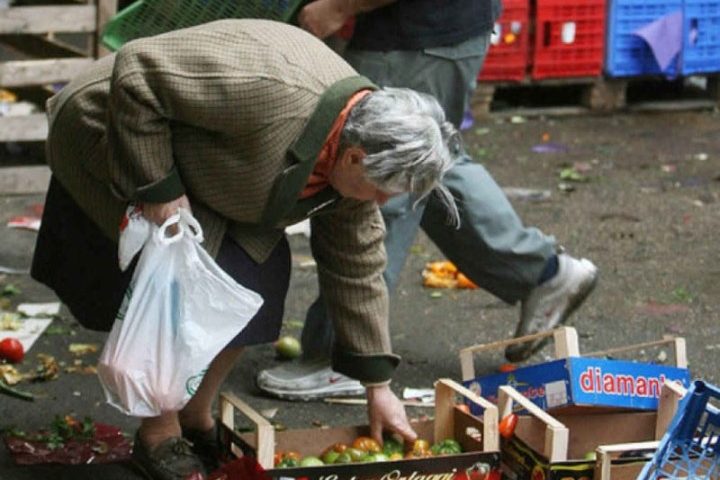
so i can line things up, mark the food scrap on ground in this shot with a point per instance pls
(444, 274)
(83, 348)
(68, 441)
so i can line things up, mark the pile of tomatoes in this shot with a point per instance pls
(366, 449)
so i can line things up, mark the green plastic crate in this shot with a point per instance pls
(145, 18)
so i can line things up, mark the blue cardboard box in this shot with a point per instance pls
(584, 381)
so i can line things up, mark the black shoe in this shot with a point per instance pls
(173, 459)
(206, 445)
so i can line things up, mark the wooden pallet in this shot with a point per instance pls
(42, 45)
(594, 95)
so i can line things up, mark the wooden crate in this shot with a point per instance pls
(39, 52)
(478, 436)
(555, 446)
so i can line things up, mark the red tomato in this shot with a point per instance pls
(366, 444)
(293, 455)
(507, 425)
(507, 368)
(463, 407)
(11, 350)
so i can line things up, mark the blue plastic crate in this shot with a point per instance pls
(628, 55)
(689, 448)
(701, 33)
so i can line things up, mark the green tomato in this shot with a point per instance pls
(343, 458)
(446, 447)
(288, 463)
(330, 457)
(355, 454)
(288, 347)
(591, 455)
(311, 462)
(377, 457)
(390, 446)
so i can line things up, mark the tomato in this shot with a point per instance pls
(391, 445)
(420, 448)
(367, 444)
(277, 458)
(507, 368)
(291, 455)
(288, 347)
(11, 350)
(343, 458)
(338, 447)
(463, 407)
(330, 456)
(356, 455)
(448, 446)
(507, 425)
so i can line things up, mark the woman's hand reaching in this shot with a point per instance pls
(386, 412)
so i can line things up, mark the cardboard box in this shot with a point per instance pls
(478, 436)
(556, 447)
(573, 380)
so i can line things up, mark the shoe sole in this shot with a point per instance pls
(312, 395)
(524, 354)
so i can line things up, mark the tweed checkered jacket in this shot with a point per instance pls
(232, 113)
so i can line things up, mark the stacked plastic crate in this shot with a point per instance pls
(701, 33)
(629, 55)
(569, 38)
(507, 58)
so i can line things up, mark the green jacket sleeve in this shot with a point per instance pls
(348, 247)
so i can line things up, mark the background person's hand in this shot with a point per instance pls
(159, 212)
(386, 412)
(322, 18)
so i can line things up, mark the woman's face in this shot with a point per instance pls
(348, 178)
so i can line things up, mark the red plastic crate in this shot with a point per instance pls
(569, 38)
(507, 58)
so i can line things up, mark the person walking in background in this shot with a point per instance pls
(438, 50)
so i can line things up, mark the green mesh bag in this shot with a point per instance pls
(145, 18)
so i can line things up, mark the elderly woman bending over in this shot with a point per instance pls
(253, 125)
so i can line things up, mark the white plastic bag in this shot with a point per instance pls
(135, 231)
(178, 313)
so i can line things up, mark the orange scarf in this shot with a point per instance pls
(327, 157)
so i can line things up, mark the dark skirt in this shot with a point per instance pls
(75, 259)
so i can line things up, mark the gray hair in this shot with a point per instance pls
(408, 143)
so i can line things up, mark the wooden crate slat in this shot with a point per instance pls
(25, 128)
(40, 72)
(44, 19)
(39, 46)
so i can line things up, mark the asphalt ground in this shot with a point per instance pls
(645, 211)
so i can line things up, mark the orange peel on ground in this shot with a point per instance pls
(444, 274)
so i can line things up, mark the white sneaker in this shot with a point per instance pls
(551, 303)
(307, 380)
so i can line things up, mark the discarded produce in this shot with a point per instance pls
(507, 425)
(288, 347)
(444, 274)
(68, 441)
(11, 350)
(13, 392)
